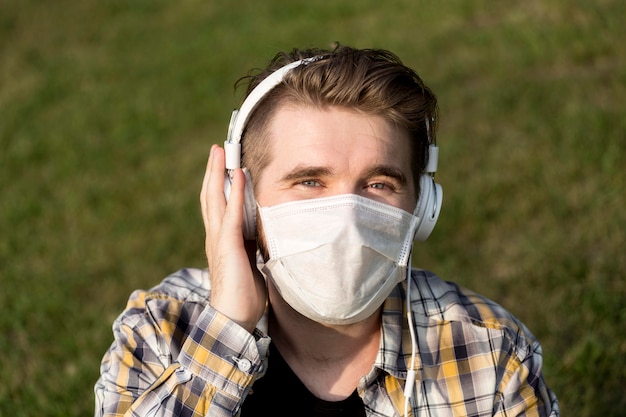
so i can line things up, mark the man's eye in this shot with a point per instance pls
(382, 187)
(310, 183)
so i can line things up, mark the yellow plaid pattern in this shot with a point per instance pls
(173, 355)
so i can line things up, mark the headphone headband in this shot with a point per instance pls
(238, 119)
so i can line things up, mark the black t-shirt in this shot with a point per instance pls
(280, 392)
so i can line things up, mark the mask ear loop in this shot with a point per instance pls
(410, 378)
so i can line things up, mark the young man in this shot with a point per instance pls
(309, 306)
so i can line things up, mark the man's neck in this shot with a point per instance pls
(329, 360)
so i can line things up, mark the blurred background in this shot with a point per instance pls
(108, 110)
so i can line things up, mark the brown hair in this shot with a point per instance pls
(372, 81)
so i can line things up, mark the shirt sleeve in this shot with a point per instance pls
(523, 391)
(167, 361)
(476, 358)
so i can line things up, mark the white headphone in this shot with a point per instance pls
(428, 205)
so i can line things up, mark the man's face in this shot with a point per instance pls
(326, 152)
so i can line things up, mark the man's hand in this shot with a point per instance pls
(237, 288)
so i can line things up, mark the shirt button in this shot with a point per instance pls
(244, 365)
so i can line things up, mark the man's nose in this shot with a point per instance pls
(348, 187)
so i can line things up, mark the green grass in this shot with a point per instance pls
(108, 109)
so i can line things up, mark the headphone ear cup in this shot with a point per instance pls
(428, 206)
(249, 205)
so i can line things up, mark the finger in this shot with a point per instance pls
(205, 180)
(212, 194)
(233, 216)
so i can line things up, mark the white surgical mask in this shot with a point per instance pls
(336, 259)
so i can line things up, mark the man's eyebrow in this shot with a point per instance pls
(302, 172)
(387, 171)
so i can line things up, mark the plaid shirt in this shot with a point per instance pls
(174, 355)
